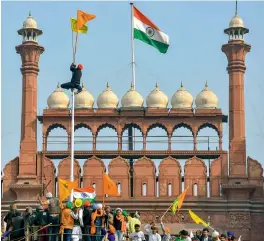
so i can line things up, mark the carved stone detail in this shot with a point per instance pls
(239, 220)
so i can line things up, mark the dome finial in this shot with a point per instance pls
(157, 85)
(58, 86)
(132, 86)
(206, 84)
(107, 86)
(181, 84)
(29, 14)
(236, 9)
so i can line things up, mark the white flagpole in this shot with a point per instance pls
(72, 144)
(132, 45)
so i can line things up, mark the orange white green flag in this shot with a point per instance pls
(146, 31)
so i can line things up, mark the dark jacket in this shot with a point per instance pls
(87, 216)
(54, 205)
(17, 225)
(76, 75)
(202, 238)
(42, 218)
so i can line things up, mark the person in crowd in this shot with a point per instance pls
(205, 235)
(233, 238)
(119, 224)
(198, 234)
(111, 233)
(185, 236)
(137, 235)
(133, 221)
(9, 216)
(97, 222)
(229, 235)
(166, 232)
(54, 215)
(29, 219)
(109, 218)
(223, 237)
(215, 236)
(67, 221)
(76, 78)
(16, 228)
(86, 221)
(152, 232)
(42, 220)
(78, 220)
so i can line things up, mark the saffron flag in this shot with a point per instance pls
(197, 220)
(83, 29)
(110, 187)
(83, 18)
(86, 193)
(177, 204)
(65, 188)
(148, 32)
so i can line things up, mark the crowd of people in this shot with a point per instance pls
(81, 220)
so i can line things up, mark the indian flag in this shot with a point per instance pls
(148, 32)
(86, 193)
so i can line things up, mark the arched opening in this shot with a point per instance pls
(157, 138)
(144, 190)
(119, 188)
(132, 138)
(169, 189)
(207, 138)
(106, 138)
(195, 190)
(182, 138)
(57, 139)
(83, 138)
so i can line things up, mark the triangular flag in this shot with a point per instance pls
(65, 188)
(110, 187)
(83, 18)
(83, 29)
(177, 204)
(197, 219)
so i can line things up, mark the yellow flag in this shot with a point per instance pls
(65, 188)
(83, 29)
(110, 187)
(197, 220)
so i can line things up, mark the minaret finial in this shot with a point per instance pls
(132, 86)
(107, 86)
(29, 14)
(157, 85)
(236, 9)
(58, 85)
(206, 84)
(181, 84)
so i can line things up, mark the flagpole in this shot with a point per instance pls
(73, 48)
(72, 144)
(132, 47)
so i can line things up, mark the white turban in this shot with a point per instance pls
(215, 234)
(99, 206)
(49, 195)
(119, 209)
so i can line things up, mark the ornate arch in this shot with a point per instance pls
(157, 124)
(49, 172)
(184, 125)
(82, 125)
(210, 125)
(102, 126)
(64, 169)
(255, 169)
(133, 125)
(54, 126)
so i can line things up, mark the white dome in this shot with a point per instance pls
(236, 22)
(58, 99)
(107, 99)
(30, 22)
(182, 99)
(83, 100)
(132, 99)
(157, 99)
(206, 99)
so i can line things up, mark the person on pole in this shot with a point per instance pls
(76, 78)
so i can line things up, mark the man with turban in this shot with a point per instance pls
(133, 221)
(86, 221)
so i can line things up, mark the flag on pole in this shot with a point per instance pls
(239, 239)
(83, 18)
(65, 188)
(86, 193)
(177, 204)
(197, 220)
(83, 29)
(148, 32)
(110, 187)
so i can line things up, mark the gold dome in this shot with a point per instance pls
(157, 98)
(107, 99)
(206, 99)
(58, 99)
(236, 22)
(83, 100)
(132, 99)
(30, 22)
(182, 99)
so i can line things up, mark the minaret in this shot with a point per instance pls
(236, 50)
(30, 52)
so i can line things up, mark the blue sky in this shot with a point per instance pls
(196, 36)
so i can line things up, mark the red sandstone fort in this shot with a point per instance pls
(235, 181)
